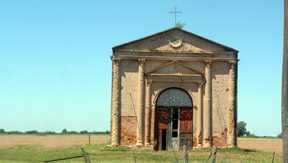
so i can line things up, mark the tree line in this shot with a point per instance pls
(243, 132)
(64, 132)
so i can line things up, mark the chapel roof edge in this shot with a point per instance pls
(226, 48)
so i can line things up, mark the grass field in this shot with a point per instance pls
(23, 149)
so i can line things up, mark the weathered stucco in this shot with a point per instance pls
(175, 58)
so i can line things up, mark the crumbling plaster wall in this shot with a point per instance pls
(220, 93)
(129, 89)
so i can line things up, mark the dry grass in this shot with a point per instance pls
(51, 141)
(262, 144)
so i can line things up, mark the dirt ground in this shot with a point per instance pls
(55, 141)
(262, 144)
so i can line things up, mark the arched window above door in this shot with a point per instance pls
(174, 97)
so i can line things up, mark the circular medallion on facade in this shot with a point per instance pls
(176, 43)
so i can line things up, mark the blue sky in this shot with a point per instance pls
(55, 56)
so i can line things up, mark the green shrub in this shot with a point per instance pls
(155, 145)
(49, 132)
(64, 131)
(14, 132)
(2, 131)
(72, 132)
(279, 135)
(32, 132)
(84, 132)
(252, 136)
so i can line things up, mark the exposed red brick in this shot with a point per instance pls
(207, 141)
(195, 141)
(128, 130)
(200, 138)
(221, 142)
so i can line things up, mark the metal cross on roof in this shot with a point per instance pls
(175, 12)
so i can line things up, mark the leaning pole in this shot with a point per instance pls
(284, 103)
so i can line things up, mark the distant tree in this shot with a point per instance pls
(15, 132)
(253, 136)
(64, 131)
(279, 135)
(49, 132)
(2, 131)
(180, 25)
(84, 132)
(72, 132)
(248, 134)
(241, 128)
(32, 132)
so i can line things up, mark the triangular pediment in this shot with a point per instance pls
(174, 40)
(174, 68)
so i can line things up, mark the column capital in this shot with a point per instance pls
(208, 63)
(148, 83)
(115, 60)
(232, 64)
(200, 84)
(141, 61)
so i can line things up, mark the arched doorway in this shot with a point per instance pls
(174, 119)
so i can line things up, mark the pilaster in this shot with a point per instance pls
(152, 133)
(207, 118)
(148, 114)
(116, 103)
(199, 115)
(140, 110)
(231, 101)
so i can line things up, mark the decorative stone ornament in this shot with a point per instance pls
(176, 43)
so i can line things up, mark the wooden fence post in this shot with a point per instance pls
(85, 156)
(175, 158)
(134, 156)
(185, 153)
(214, 152)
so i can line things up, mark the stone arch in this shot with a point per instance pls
(174, 97)
(162, 90)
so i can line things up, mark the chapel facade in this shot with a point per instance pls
(174, 88)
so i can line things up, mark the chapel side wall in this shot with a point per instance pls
(220, 94)
(129, 89)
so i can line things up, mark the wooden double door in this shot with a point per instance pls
(174, 128)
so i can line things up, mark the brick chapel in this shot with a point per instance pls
(174, 88)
